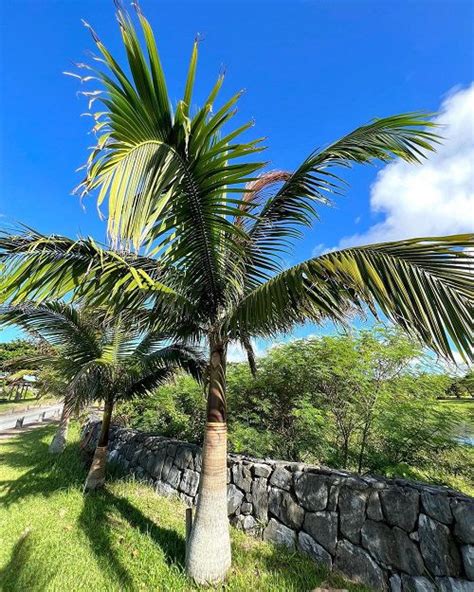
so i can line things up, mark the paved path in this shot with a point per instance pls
(9, 420)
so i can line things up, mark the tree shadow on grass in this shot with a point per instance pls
(22, 572)
(45, 473)
(104, 511)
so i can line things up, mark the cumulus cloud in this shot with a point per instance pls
(236, 353)
(435, 198)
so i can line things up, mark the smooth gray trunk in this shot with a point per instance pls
(58, 443)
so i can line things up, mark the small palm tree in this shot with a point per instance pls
(199, 233)
(98, 357)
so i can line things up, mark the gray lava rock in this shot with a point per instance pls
(395, 583)
(322, 526)
(438, 548)
(417, 584)
(374, 507)
(164, 489)
(391, 546)
(157, 467)
(310, 547)
(261, 470)
(242, 477)
(463, 512)
(359, 566)
(351, 513)
(437, 507)
(400, 507)
(259, 498)
(198, 460)
(184, 458)
(246, 523)
(246, 508)
(312, 491)
(333, 498)
(234, 499)
(281, 478)
(171, 450)
(279, 534)
(166, 468)
(174, 477)
(189, 482)
(467, 552)
(284, 507)
(452, 585)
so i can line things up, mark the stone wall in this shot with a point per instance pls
(389, 534)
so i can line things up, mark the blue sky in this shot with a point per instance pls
(312, 71)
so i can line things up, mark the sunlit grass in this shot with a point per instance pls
(124, 538)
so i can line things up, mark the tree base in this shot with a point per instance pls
(58, 444)
(208, 554)
(96, 476)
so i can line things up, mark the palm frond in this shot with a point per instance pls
(151, 354)
(165, 174)
(425, 285)
(406, 136)
(39, 268)
(60, 324)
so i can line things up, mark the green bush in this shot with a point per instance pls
(366, 401)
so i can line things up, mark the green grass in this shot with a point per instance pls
(465, 406)
(9, 406)
(124, 538)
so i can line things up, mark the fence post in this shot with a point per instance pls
(189, 522)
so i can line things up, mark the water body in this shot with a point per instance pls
(466, 433)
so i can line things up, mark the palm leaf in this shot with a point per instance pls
(165, 174)
(405, 136)
(424, 285)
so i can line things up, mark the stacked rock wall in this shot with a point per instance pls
(392, 535)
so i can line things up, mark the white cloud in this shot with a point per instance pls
(236, 353)
(435, 198)
(318, 249)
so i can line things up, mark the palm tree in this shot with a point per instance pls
(99, 357)
(199, 233)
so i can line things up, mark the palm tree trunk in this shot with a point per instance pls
(96, 477)
(208, 555)
(58, 444)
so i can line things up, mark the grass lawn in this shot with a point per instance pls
(124, 538)
(9, 406)
(464, 406)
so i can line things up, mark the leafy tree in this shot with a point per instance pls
(9, 353)
(199, 234)
(176, 409)
(462, 386)
(100, 357)
(11, 350)
(329, 400)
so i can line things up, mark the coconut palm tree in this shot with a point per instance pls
(98, 357)
(199, 232)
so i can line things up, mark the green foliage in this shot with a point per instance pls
(462, 386)
(97, 356)
(176, 410)
(366, 401)
(18, 348)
